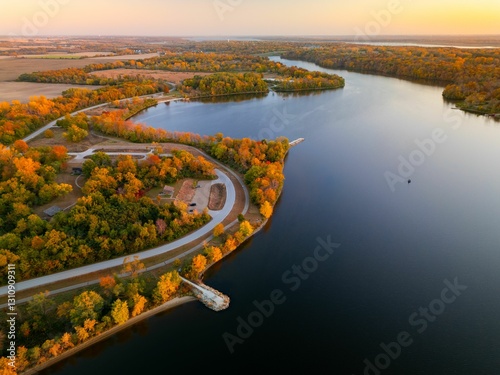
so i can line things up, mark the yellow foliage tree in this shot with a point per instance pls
(166, 287)
(139, 303)
(246, 228)
(198, 264)
(266, 209)
(218, 230)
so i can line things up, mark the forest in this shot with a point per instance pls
(470, 76)
(233, 74)
(223, 84)
(113, 216)
(17, 119)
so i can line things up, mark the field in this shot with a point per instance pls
(12, 68)
(174, 77)
(78, 55)
(23, 90)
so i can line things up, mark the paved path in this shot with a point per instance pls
(53, 123)
(217, 217)
(80, 156)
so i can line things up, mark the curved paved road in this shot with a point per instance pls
(217, 217)
(53, 123)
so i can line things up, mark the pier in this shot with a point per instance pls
(296, 142)
(210, 297)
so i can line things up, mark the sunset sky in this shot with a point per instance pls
(248, 17)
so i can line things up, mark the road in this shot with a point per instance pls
(217, 217)
(53, 123)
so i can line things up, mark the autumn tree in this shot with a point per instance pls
(166, 287)
(266, 209)
(21, 146)
(75, 134)
(198, 264)
(87, 305)
(213, 254)
(132, 267)
(137, 304)
(119, 311)
(245, 228)
(219, 230)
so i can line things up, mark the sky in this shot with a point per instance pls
(248, 17)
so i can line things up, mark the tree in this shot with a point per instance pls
(75, 134)
(266, 209)
(87, 305)
(138, 303)
(67, 341)
(5, 368)
(198, 264)
(214, 254)
(133, 267)
(21, 146)
(166, 287)
(119, 311)
(39, 311)
(219, 230)
(246, 228)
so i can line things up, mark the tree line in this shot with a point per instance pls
(17, 119)
(48, 328)
(471, 76)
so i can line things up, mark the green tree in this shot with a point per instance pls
(87, 305)
(75, 134)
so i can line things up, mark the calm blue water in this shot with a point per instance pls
(384, 283)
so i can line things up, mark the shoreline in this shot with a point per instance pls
(255, 231)
(177, 301)
(147, 314)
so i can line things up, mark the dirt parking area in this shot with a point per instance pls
(217, 197)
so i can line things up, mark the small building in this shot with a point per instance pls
(168, 190)
(51, 211)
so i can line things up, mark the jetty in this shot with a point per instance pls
(210, 297)
(296, 142)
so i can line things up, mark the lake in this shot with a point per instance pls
(358, 271)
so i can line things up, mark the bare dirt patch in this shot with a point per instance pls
(58, 139)
(174, 77)
(217, 197)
